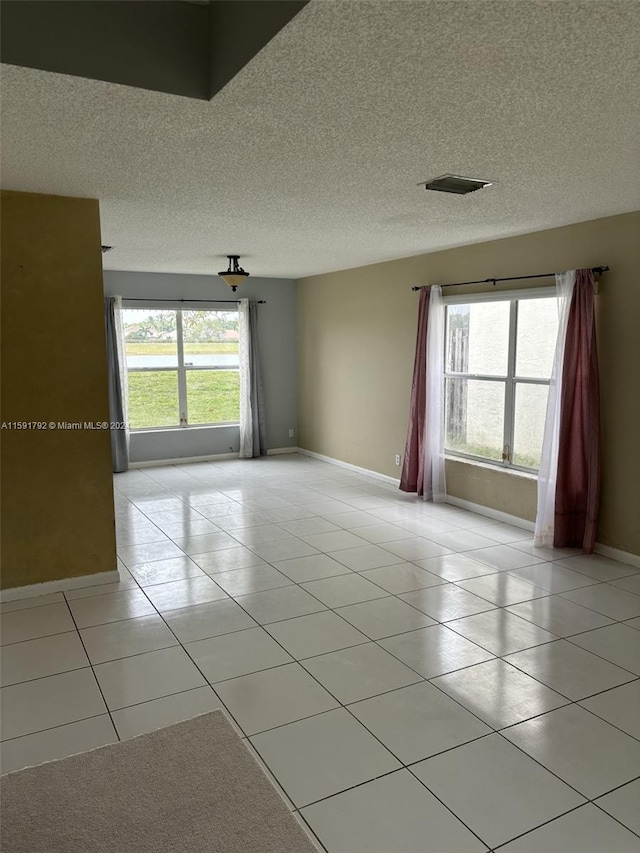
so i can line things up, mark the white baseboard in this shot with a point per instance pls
(182, 460)
(617, 554)
(603, 550)
(496, 514)
(463, 504)
(349, 466)
(489, 512)
(217, 457)
(61, 585)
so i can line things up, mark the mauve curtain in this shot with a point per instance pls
(412, 478)
(578, 479)
(423, 467)
(253, 425)
(434, 476)
(116, 376)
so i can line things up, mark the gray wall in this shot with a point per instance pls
(277, 336)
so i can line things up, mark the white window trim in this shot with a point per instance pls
(499, 295)
(178, 306)
(510, 380)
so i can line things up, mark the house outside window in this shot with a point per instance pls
(182, 367)
(499, 352)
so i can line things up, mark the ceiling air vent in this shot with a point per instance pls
(456, 184)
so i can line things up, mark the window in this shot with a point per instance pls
(498, 359)
(182, 367)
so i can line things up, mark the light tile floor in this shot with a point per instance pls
(413, 676)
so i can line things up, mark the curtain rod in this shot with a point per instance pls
(509, 278)
(216, 301)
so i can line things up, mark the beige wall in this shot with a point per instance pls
(57, 493)
(356, 334)
(513, 492)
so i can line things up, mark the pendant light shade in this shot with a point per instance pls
(234, 275)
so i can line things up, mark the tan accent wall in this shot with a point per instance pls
(513, 492)
(356, 339)
(57, 492)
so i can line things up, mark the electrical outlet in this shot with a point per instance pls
(292, 432)
(397, 458)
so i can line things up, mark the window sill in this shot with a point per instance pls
(487, 466)
(181, 429)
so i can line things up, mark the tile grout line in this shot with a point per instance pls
(193, 662)
(94, 673)
(608, 814)
(373, 641)
(536, 828)
(428, 680)
(405, 766)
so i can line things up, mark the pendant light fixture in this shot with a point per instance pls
(235, 275)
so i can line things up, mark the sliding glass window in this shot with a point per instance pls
(498, 358)
(182, 367)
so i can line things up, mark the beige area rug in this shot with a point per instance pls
(189, 788)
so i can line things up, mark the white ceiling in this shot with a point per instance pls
(308, 161)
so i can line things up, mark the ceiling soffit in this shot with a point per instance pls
(179, 48)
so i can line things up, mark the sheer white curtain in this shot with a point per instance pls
(253, 424)
(244, 351)
(547, 475)
(434, 475)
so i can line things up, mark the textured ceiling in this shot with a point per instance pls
(309, 159)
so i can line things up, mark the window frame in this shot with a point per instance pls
(510, 381)
(180, 368)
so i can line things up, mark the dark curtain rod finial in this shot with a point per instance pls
(493, 281)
